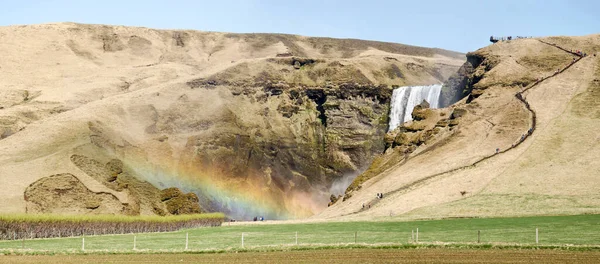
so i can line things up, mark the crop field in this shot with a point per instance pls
(578, 231)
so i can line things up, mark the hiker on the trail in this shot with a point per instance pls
(497, 150)
(381, 195)
(522, 137)
(363, 207)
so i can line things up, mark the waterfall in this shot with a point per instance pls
(404, 100)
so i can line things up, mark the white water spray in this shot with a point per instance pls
(404, 100)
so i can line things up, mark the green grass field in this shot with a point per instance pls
(553, 230)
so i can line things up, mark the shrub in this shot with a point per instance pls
(45, 226)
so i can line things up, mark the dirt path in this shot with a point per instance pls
(333, 256)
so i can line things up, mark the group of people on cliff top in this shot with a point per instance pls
(494, 40)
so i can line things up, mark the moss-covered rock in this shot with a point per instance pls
(184, 204)
(114, 167)
(402, 139)
(421, 114)
(170, 193)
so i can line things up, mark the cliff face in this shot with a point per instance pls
(461, 83)
(248, 124)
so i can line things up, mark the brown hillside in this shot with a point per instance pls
(251, 124)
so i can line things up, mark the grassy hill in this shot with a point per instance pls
(554, 171)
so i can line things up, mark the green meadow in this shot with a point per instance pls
(580, 230)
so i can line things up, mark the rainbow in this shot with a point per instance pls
(241, 198)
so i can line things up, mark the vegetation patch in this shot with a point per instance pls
(16, 227)
(587, 104)
(548, 63)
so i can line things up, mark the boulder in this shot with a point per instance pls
(114, 167)
(170, 193)
(424, 137)
(414, 126)
(402, 139)
(442, 123)
(184, 204)
(421, 114)
(453, 122)
(423, 105)
(458, 112)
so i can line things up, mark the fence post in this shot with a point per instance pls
(412, 235)
(134, 242)
(186, 241)
(478, 236)
(296, 237)
(82, 243)
(536, 235)
(355, 235)
(242, 240)
(417, 235)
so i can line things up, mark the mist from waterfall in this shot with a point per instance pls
(404, 100)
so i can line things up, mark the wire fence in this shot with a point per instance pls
(195, 241)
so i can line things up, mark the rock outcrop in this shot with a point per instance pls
(65, 194)
(460, 84)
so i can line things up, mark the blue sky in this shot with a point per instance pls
(454, 24)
